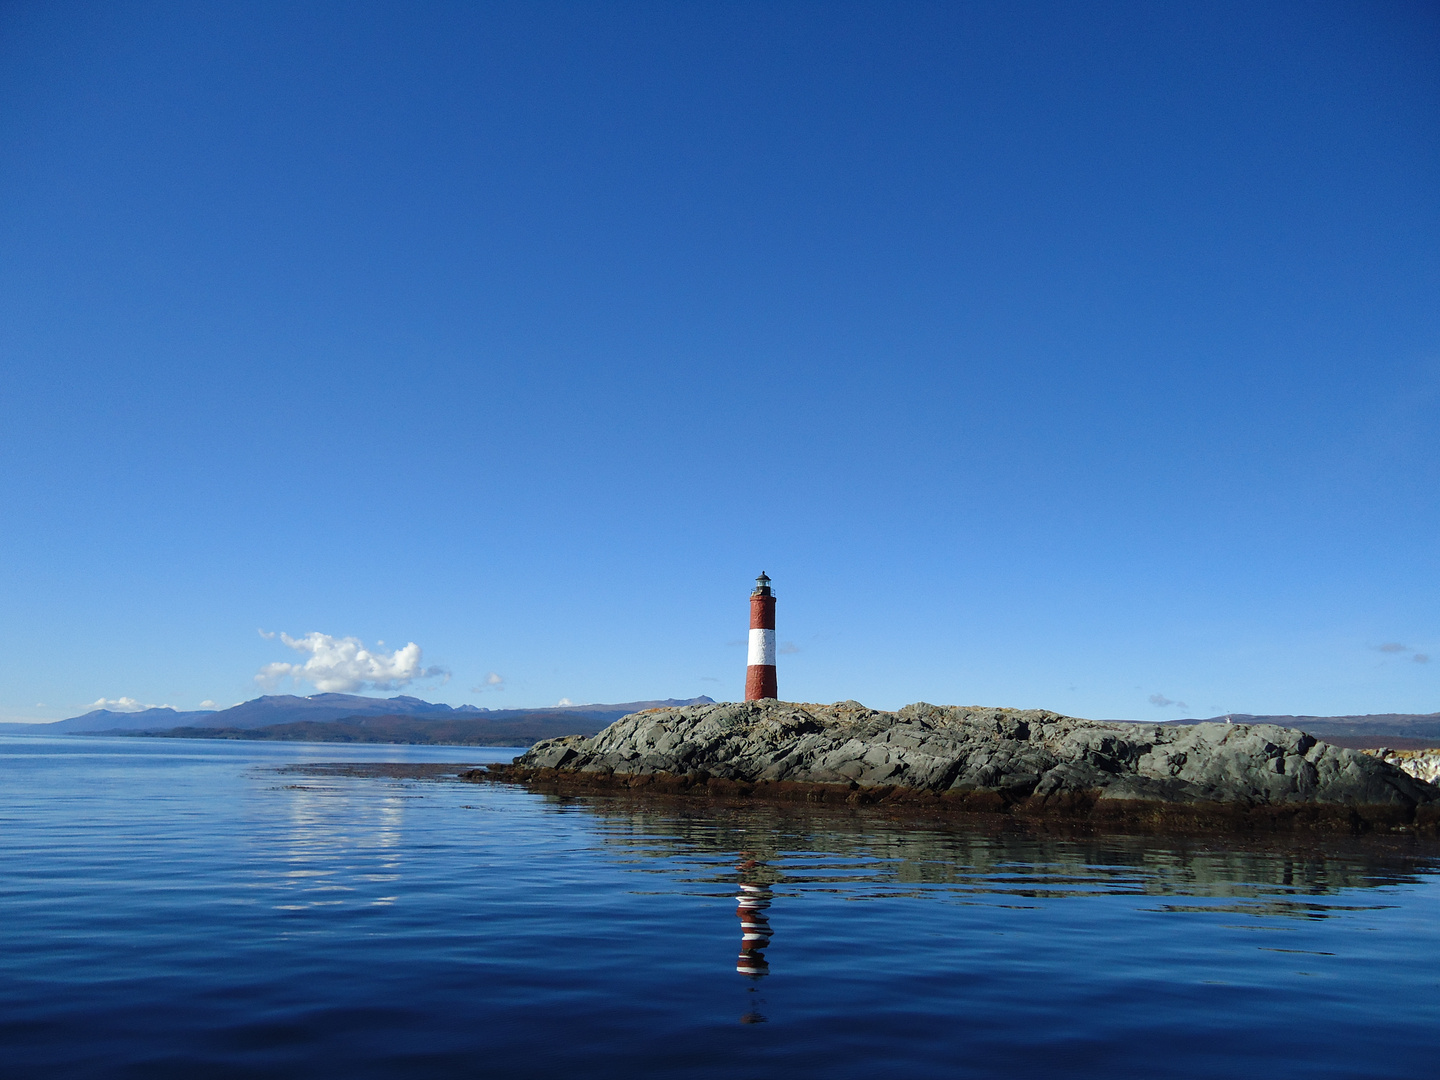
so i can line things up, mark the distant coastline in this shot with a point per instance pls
(352, 718)
(1357, 731)
(404, 720)
(394, 730)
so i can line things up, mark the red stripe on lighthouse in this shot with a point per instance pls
(760, 668)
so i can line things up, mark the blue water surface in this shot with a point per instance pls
(192, 908)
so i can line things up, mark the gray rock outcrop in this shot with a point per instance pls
(1016, 754)
(1421, 764)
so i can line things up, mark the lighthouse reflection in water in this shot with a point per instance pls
(754, 895)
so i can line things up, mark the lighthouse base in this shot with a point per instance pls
(760, 682)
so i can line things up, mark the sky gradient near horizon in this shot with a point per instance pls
(1064, 355)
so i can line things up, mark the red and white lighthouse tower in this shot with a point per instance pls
(760, 667)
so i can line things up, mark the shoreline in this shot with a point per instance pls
(1085, 811)
(1215, 822)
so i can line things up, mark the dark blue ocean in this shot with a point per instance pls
(178, 908)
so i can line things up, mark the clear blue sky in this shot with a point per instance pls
(1083, 356)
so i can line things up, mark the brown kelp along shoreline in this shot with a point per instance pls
(1076, 811)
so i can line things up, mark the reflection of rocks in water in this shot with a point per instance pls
(755, 933)
(871, 854)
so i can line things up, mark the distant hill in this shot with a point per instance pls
(1373, 725)
(106, 719)
(279, 709)
(275, 716)
(521, 730)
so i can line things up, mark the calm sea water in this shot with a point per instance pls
(185, 908)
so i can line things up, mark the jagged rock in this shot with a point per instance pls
(1421, 764)
(1014, 754)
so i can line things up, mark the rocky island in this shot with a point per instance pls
(1025, 763)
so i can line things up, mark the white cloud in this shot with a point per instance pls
(208, 704)
(1394, 647)
(343, 665)
(1164, 702)
(123, 704)
(492, 682)
(564, 701)
(269, 635)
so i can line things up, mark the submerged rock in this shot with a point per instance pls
(1009, 754)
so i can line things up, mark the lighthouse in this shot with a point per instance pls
(760, 667)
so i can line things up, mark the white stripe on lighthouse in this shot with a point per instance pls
(762, 648)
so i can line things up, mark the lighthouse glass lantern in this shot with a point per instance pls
(762, 585)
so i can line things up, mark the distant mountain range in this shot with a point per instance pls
(413, 730)
(404, 719)
(423, 720)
